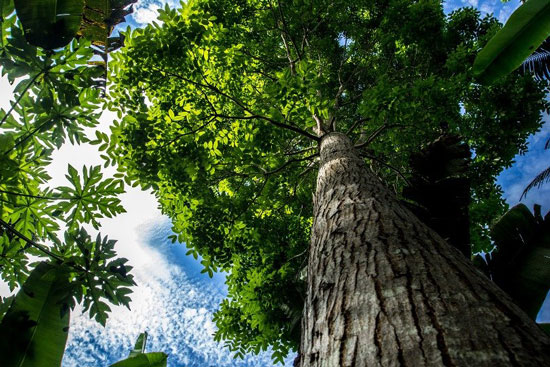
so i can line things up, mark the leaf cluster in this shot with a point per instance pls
(56, 98)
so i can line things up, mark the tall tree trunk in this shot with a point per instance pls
(385, 290)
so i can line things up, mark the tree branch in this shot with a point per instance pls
(33, 196)
(355, 124)
(378, 160)
(185, 134)
(42, 248)
(243, 106)
(23, 92)
(288, 163)
(301, 151)
(377, 132)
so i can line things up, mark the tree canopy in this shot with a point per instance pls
(222, 104)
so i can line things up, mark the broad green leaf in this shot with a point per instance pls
(33, 333)
(546, 328)
(5, 304)
(140, 345)
(6, 8)
(50, 23)
(521, 263)
(154, 359)
(526, 29)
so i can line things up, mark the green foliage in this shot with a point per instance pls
(526, 29)
(138, 357)
(520, 263)
(153, 359)
(141, 342)
(91, 199)
(6, 8)
(50, 23)
(56, 97)
(222, 104)
(34, 330)
(98, 275)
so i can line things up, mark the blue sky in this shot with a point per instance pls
(173, 301)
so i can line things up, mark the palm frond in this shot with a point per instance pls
(539, 61)
(538, 181)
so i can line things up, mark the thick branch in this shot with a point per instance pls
(387, 165)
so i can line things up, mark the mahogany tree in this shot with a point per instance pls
(238, 112)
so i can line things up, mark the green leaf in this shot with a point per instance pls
(545, 327)
(140, 345)
(33, 333)
(50, 23)
(154, 359)
(521, 263)
(5, 304)
(6, 8)
(526, 29)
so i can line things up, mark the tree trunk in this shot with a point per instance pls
(385, 290)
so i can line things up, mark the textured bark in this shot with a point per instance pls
(385, 290)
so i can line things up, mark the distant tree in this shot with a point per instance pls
(237, 112)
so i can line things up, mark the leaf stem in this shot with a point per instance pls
(16, 102)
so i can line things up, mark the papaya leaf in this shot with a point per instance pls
(50, 24)
(526, 29)
(104, 279)
(33, 332)
(90, 197)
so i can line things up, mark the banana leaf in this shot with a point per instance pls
(526, 29)
(521, 262)
(6, 8)
(154, 359)
(34, 330)
(50, 24)
(138, 358)
(140, 345)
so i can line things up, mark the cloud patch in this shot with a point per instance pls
(173, 304)
(146, 11)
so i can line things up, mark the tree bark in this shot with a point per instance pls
(385, 290)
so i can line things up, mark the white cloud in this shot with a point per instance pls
(526, 167)
(488, 7)
(146, 11)
(171, 304)
(507, 10)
